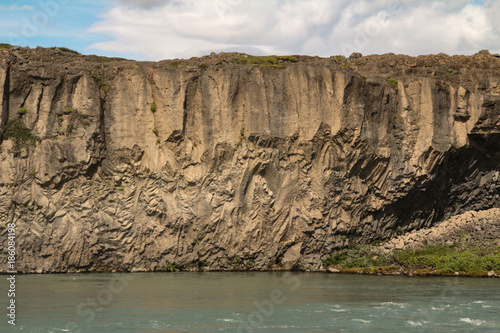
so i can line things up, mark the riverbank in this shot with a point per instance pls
(458, 259)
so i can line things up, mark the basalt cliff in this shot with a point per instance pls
(236, 162)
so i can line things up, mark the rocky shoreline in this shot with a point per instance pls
(406, 271)
(464, 233)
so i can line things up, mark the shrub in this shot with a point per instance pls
(22, 111)
(340, 58)
(155, 131)
(175, 63)
(153, 107)
(358, 255)
(171, 267)
(4, 46)
(75, 118)
(23, 139)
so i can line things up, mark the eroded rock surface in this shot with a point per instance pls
(213, 164)
(476, 228)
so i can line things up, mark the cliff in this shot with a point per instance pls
(236, 162)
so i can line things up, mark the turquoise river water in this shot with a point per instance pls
(251, 302)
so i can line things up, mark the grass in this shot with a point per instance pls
(253, 60)
(288, 58)
(449, 259)
(470, 260)
(266, 61)
(358, 255)
(393, 83)
(4, 46)
(23, 139)
(175, 63)
(242, 137)
(101, 83)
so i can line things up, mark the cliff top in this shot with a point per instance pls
(448, 68)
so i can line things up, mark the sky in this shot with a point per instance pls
(168, 29)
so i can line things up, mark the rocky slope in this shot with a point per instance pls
(234, 162)
(473, 228)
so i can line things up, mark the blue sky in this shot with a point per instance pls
(161, 29)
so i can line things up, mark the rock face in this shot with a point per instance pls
(218, 163)
(477, 228)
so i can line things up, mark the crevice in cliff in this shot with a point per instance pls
(5, 102)
(190, 91)
(58, 90)
(39, 104)
(26, 97)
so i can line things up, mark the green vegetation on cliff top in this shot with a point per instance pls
(267, 61)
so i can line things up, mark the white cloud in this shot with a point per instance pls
(16, 7)
(159, 29)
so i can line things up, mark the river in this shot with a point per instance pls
(252, 302)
